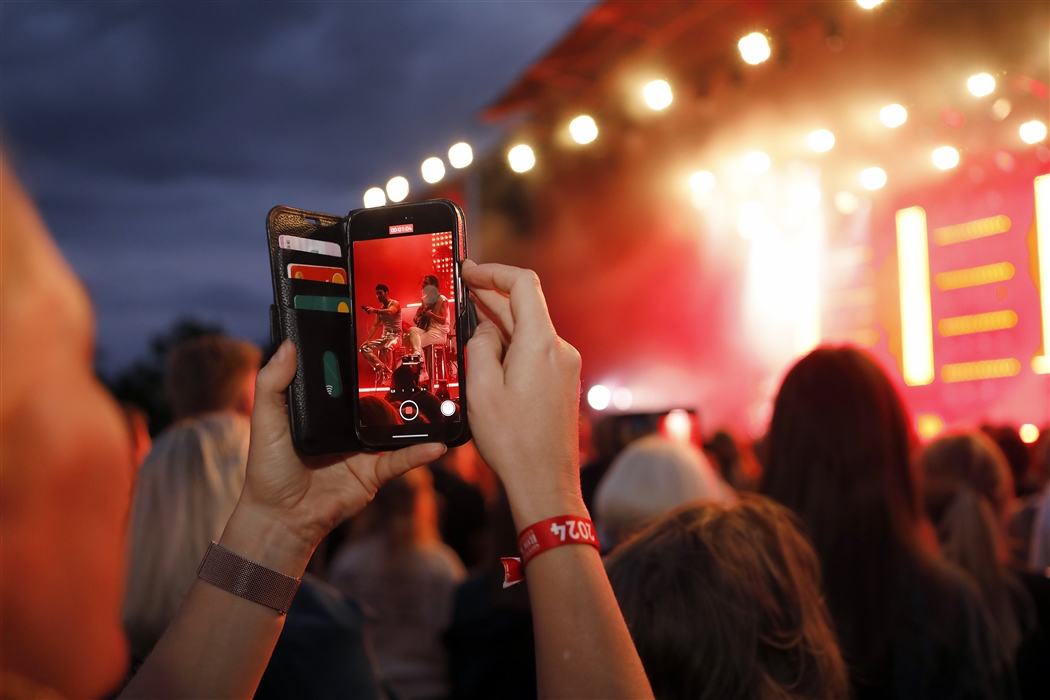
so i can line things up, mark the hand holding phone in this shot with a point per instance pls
(525, 392)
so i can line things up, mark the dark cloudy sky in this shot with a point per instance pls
(155, 136)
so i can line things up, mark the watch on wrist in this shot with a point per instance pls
(246, 579)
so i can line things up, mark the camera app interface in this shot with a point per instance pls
(406, 332)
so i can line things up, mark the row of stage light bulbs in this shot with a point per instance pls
(460, 155)
(754, 49)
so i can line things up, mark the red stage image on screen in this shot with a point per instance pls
(406, 332)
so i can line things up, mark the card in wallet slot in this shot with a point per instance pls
(310, 245)
(316, 303)
(317, 273)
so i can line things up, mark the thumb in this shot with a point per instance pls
(270, 415)
(485, 358)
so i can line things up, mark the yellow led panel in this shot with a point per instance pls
(982, 369)
(913, 260)
(974, 276)
(971, 230)
(1042, 234)
(977, 323)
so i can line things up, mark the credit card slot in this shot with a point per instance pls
(320, 395)
(298, 256)
(320, 289)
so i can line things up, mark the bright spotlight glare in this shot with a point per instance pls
(702, 181)
(945, 157)
(821, 140)
(756, 163)
(374, 197)
(622, 398)
(893, 115)
(981, 84)
(1033, 131)
(1029, 433)
(460, 155)
(433, 170)
(397, 189)
(846, 202)
(806, 194)
(657, 94)
(754, 48)
(868, 4)
(873, 178)
(598, 397)
(583, 129)
(521, 158)
(679, 426)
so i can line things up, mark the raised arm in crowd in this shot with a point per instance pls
(66, 482)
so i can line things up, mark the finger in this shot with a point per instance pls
(498, 307)
(270, 413)
(485, 358)
(527, 305)
(391, 465)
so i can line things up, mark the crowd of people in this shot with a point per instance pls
(845, 560)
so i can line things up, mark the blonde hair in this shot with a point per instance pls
(187, 489)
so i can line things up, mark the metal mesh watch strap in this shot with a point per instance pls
(245, 578)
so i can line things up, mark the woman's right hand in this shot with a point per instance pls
(524, 394)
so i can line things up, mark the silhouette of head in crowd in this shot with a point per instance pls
(724, 602)
(212, 373)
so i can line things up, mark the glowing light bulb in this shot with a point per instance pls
(754, 48)
(893, 115)
(945, 157)
(1029, 433)
(873, 178)
(756, 162)
(981, 84)
(702, 181)
(622, 398)
(583, 129)
(869, 4)
(521, 158)
(821, 140)
(374, 197)
(657, 95)
(598, 397)
(433, 170)
(1033, 131)
(929, 426)
(460, 155)
(397, 189)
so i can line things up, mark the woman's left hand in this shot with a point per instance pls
(290, 502)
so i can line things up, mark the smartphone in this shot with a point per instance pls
(413, 317)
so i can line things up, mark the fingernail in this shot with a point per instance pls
(282, 352)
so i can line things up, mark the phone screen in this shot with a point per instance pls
(405, 288)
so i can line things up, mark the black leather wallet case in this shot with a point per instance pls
(322, 417)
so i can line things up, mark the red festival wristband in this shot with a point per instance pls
(544, 535)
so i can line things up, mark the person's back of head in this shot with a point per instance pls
(650, 478)
(724, 602)
(839, 457)
(186, 490)
(211, 373)
(967, 494)
(1017, 456)
(973, 459)
(403, 512)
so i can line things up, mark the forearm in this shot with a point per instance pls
(583, 647)
(218, 645)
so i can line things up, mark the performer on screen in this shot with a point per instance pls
(389, 318)
(431, 320)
